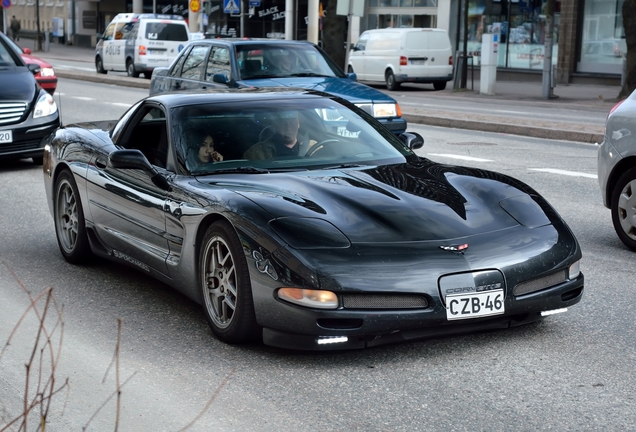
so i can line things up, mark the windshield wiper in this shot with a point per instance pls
(347, 165)
(310, 74)
(238, 170)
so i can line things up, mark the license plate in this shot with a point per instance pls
(6, 136)
(418, 62)
(473, 305)
(156, 52)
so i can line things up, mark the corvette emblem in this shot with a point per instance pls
(455, 248)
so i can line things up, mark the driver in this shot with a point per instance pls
(281, 138)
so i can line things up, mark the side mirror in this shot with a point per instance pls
(352, 76)
(134, 159)
(354, 47)
(33, 68)
(220, 78)
(412, 140)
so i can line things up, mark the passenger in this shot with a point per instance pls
(202, 150)
(280, 139)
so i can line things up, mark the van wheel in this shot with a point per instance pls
(147, 75)
(130, 69)
(439, 85)
(391, 84)
(99, 65)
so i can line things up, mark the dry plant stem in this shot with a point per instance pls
(44, 391)
(106, 401)
(214, 396)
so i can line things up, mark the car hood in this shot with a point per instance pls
(395, 203)
(17, 84)
(343, 87)
(29, 59)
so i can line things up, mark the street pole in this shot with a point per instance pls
(547, 50)
(463, 84)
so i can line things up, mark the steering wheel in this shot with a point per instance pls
(321, 146)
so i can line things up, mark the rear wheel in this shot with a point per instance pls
(130, 69)
(147, 75)
(624, 208)
(99, 65)
(391, 84)
(225, 281)
(70, 228)
(439, 85)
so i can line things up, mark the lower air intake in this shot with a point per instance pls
(539, 284)
(383, 301)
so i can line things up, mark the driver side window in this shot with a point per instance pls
(150, 135)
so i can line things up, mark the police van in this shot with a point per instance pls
(138, 43)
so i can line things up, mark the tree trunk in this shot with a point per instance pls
(629, 23)
(334, 34)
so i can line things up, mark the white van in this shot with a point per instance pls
(399, 55)
(138, 43)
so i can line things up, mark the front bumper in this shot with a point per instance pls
(350, 329)
(27, 138)
(396, 125)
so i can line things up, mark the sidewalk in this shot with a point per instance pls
(508, 94)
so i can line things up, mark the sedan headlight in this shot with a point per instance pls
(319, 299)
(45, 106)
(385, 110)
(47, 72)
(574, 270)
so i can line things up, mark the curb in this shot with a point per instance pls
(528, 131)
(104, 79)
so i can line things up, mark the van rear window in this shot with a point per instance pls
(166, 32)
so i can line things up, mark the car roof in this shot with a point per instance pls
(181, 98)
(252, 41)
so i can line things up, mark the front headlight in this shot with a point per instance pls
(574, 270)
(385, 110)
(47, 72)
(45, 106)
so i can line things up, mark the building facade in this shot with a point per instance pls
(588, 35)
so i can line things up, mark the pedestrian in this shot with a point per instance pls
(15, 28)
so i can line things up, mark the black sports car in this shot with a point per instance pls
(27, 112)
(298, 217)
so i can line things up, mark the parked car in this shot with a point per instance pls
(403, 55)
(236, 63)
(617, 169)
(27, 112)
(138, 43)
(352, 240)
(46, 75)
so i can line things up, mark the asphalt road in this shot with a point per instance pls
(573, 371)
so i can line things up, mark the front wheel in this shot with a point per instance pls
(225, 282)
(70, 228)
(130, 69)
(623, 207)
(391, 83)
(99, 66)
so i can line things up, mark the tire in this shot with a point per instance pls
(439, 85)
(130, 69)
(623, 208)
(391, 84)
(99, 66)
(147, 75)
(38, 160)
(70, 228)
(225, 285)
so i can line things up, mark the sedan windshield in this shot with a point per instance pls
(280, 135)
(284, 61)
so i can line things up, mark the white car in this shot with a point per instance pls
(617, 169)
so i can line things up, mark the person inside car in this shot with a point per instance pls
(202, 149)
(281, 62)
(281, 138)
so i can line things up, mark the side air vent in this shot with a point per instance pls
(11, 112)
(539, 284)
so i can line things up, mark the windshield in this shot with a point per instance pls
(8, 55)
(267, 135)
(284, 61)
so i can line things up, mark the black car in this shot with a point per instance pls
(27, 112)
(236, 63)
(296, 216)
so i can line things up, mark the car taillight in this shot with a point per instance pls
(142, 50)
(616, 107)
(402, 61)
(450, 60)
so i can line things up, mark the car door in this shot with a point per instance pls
(107, 46)
(119, 48)
(357, 57)
(219, 63)
(127, 208)
(190, 74)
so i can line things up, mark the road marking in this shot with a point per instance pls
(83, 98)
(125, 105)
(466, 158)
(563, 172)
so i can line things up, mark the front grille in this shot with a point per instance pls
(19, 146)
(540, 283)
(383, 301)
(11, 112)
